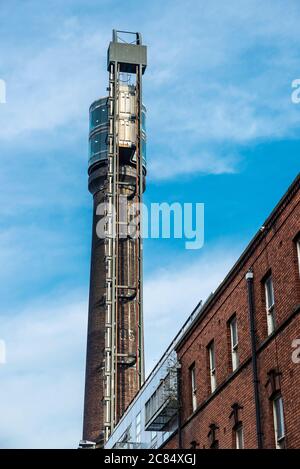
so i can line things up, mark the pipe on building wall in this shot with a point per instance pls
(251, 311)
(179, 403)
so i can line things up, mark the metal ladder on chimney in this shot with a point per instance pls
(112, 287)
(111, 257)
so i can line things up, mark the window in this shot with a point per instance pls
(155, 401)
(298, 251)
(270, 304)
(193, 386)
(98, 144)
(153, 435)
(278, 422)
(212, 366)
(239, 437)
(98, 116)
(138, 428)
(144, 119)
(234, 343)
(237, 426)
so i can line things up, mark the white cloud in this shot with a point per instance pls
(223, 74)
(177, 163)
(222, 78)
(41, 393)
(54, 86)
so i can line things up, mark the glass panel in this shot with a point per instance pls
(144, 121)
(98, 116)
(148, 410)
(144, 149)
(193, 389)
(213, 382)
(234, 334)
(212, 356)
(269, 293)
(240, 438)
(98, 144)
(270, 304)
(271, 321)
(193, 379)
(279, 418)
(138, 428)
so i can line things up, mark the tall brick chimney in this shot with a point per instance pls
(117, 170)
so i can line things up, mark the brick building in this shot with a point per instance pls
(240, 367)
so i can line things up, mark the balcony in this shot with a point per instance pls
(163, 404)
(129, 445)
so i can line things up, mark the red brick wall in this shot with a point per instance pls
(275, 252)
(172, 443)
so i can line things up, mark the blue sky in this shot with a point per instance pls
(222, 130)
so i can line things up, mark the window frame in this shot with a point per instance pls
(270, 307)
(193, 386)
(234, 347)
(239, 432)
(212, 366)
(279, 440)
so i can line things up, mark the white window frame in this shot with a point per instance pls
(270, 306)
(279, 439)
(212, 366)
(193, 387)
(234, 344)
(239, 437)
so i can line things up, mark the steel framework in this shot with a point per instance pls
(120, 61)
